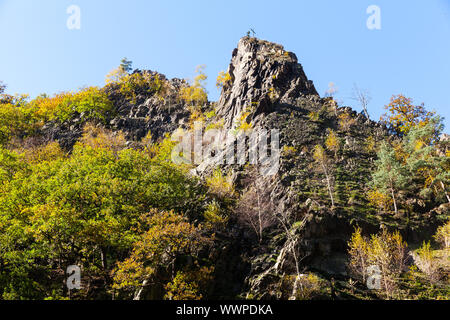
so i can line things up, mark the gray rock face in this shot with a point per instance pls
(262, 74)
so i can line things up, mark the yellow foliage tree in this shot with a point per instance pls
(346, 121)
(195, 95)
(403, 115)
(321, 158)
(332, 143)
(387, 252)
(223, 79)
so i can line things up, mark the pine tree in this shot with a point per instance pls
(424, 161)
(390, 176)
(126, 65)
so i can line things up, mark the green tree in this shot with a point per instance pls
(390, 176)
(126, 65)
(425, 162)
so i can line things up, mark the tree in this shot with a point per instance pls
(424, 161)
(2, 87)
(390, 175)
(321, 158)
(195, 95)
(255, 209)
(403, 115)
(443, 236)
(387, 252)
(153, 259)
(332, 90)
(363, 98)
(120, 73)
(126, 65)
(223, 79)
(332, 143)
(80, 209)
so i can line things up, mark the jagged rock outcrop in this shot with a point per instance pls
(149, 112)
(262, 74)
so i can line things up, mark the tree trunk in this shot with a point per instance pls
(395, 201)
(329, 186)
(138, 294)
(445, 191)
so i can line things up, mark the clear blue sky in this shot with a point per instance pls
(409, 55)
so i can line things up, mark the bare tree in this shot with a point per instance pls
(256, 210)
(291, 228)
(363, 98)
(2, 87)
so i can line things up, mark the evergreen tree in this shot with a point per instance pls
(390, 176)
(425, 163)
(126, 65)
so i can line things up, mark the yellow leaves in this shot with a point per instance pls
(385, 251)
(346, 121)
(443, 235)
(223, 79)
(319, 154)
(48, 152)
(91, 101)
(404, 115)
(196, 94)
(47, 108)
(187, 285)
(289, 151)
(214, 216)
(380, 200)
(167, 236)
(332, 142)
(116, 76)
(220, 184)
(370, 144)
(243, 124)
(99, 138)
(314, 116)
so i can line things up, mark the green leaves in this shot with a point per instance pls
(81, 209)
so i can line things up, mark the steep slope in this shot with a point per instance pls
(270, 89)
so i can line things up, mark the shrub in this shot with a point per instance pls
(220, 184)
(346, 121)
(214, 216)
(380, 200)
(426, 263)
(309, 286)
(386, 252)
(91, 102)
(443, 235)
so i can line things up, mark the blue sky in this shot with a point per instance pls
(409, 55)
